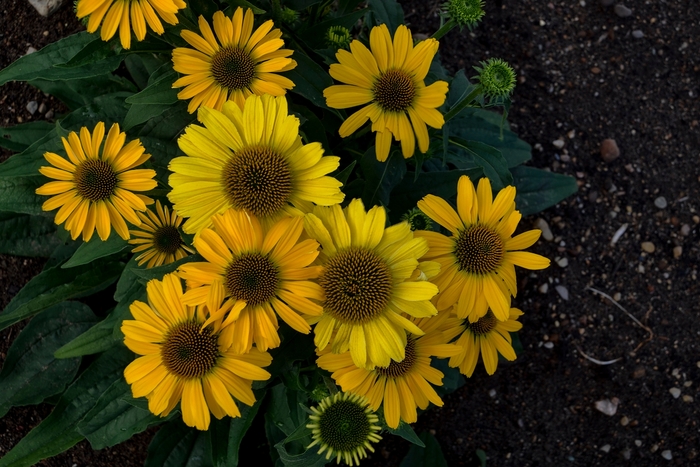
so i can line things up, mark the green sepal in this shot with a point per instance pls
(30, 372)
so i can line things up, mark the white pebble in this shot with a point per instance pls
(607, 406)
(549, 345)
(558, 143)
(563, 262)
(562, 291)
(605, 448)
(618, 234)
(544, 227)
(667, 455)
(32, 107)
(543, 288)
(675, 392)
(660, 202)
(30, 50)
(638, 442)
(492, 393)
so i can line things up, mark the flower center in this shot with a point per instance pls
(258, 180)
(479, 250)
(189, 352)
(253, 278)
(166, 239)
(344, 426)
(398, 369)
(232, 68)
(394, 91)
(357, 284)
(483, 325)
(95, 180)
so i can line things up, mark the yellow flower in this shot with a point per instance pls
(488, 336)
(232, 65)
(253, 160)
(478, 260)
(159, 238)
(94, 188)
(367, 283)
(127, 15)
(258, 274)
(390, 80)
(403, 386)
(183, 361)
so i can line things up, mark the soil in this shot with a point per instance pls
(585, 75)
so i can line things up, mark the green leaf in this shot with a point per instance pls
(160, 271)
(95, 249)
(406, 432)
(539, 189)
(431, 454)
(141, 66)
(381, 177)
(387, 12)
(30, 373)
(76, 93)
(42, 64)
(25, 235)
(227, 434)
(310, 80)
(18, 194)
(487, 157)
(452, 379)
(19, 137)
(158, 96)
(56, 433)
(168, 125)
(55, 285)
(113, 420)
(177, 445)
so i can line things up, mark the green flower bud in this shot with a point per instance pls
(288, 16)
(497, 78)
(338, 37)
(466, 13)
(417, 220)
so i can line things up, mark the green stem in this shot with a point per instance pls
(444, 29)
(457, 108)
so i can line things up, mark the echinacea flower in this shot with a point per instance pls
(489, 337)
(478, 261)
(389, 82)
(182, 361)
(368, 283)
(233, 64)
(258, 274)
(94, 187)
(127, 15)
(158, 238)
(344, 426)
(251, 160)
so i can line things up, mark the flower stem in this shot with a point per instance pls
(457, 108)
(444, 29)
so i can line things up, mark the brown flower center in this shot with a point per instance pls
(397, 369)
(483, 325)
(95, 180)
(479, 250)
(253, 278)
(166, 239)
(232, 68)
(189, 352)
(258, 180)
(357, 284)
(394, 91)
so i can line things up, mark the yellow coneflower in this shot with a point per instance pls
(94, 187)
(389, 79)
(252, 160)
(478, 261)
(127, 15)
(233, 64)
(183, 361)
(158, 239)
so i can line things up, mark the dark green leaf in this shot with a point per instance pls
(406, 432)
(160, 271)
(95, 249)
(169, 124)
(487, 157)
(24, 235)
(137, 291)
(30, 372)
(344, 174)
(158, 96)
(227, 434)
(19, 137)
(127, 280)
(113, 420)
(381, 177)
(452, 379)
(177, 445)
(387, 12)
(55, 285)
(76, 93)
(309, 80)
(94, 51)
(481, 455)
(57, 432)
(539, 189)
(431, 454)
(141, 66)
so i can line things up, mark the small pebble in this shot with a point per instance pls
(638, 443)
(563, 262)
(626, 454)
(688, 399)
(492, 393)
(30, 50)
(558, 143)
(648, 247)
(622, 11)
(42, 108)
(637, 34)
(609, 151)
(608, 406)
(549, 345)
(32, 107)
(685, 230)
(45, 33)
(639, 372)
(667, 455)
(617, 296)
(544, 227)
(675, 392)
(624, 421)
(49, 114)
(605, 448)
(543, 288)
(562, 291)
(654, 448)
(677, 251)
(660, 202)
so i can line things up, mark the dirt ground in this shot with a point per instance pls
(587, 72)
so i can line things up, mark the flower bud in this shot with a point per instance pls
(497, 78)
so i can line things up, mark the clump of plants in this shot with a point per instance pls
(282, 210)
